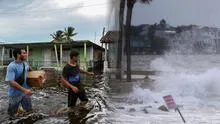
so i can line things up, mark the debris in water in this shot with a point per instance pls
(132, 110)
(163, 108)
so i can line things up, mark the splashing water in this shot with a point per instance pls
(192, 80)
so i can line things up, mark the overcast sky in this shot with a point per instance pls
(179, 12)
(35, 20)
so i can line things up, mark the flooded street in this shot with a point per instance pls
(51, 103)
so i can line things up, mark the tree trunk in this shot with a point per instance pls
(61, 54)
(121, 30)
(55, 50)
(130, 5)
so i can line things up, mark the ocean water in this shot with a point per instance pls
(192, 80)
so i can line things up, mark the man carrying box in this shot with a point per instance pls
(19, 92)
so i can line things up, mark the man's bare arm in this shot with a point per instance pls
(19, 87)
(86, 72)
(64, 81)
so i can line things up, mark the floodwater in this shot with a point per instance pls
(192, 80)
(50, 103)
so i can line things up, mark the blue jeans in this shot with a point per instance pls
(14, 103)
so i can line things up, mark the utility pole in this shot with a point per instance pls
(103, 33)
(120, 47)
(95, 37)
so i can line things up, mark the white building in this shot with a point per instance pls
(198, 39)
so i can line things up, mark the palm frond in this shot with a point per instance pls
(68, 32)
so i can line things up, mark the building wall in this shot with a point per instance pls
(36, 54)
(112, 55)
(36, 57)
(86, 62)
(8, 55)
(47, 53)
(89, 55)
(66, 55)
(97, 55)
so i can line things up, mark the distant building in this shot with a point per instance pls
(198, 39)
(110, 39)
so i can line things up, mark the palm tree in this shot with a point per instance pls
(163, 24)
(68, 33)
(130, 5)
(62, 36)
(121, 30)
(58, 36)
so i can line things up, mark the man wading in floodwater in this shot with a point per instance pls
(19, 92)
(71, 78)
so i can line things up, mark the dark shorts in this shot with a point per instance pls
(14, 102)
(72, 97)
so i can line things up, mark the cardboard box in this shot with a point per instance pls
(36, 78)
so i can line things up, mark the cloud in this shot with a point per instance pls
(67, 3)
(35, 20)
(42, 19)
(178, 12)
(93, 9)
